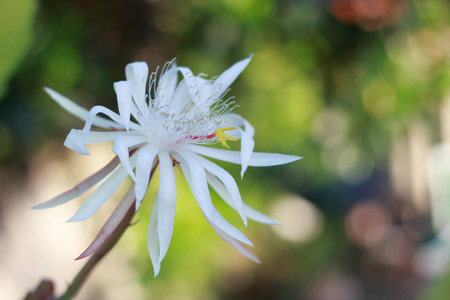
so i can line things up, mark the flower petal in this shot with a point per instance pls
(226, 78)
(191, 84)
(206, 91)
(101, 194)
(257, 159)
(94, 137)
(111, 224)
(122, 145)
(235, 243)
(77, 110)
(192, 169)
(124, 101)
(167, 203)
(247, 143)
(73, 142)
(222, 223)
(152, 237)
(80, 188)
(92, 115)
(137, 75)
(229, 229)
(229, 183)
(251, 213)
(145, 163)
(167, 85)
(247, 146)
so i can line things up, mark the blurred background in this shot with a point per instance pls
(359, 88)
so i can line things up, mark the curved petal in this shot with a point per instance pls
(251, 213)
(205, 89)
(80, 188)
(122, 145)
(229, 229)
(193, 169)
(257, 159)
(153, 239)
(247, 143)
(229, 183)
(111, 224)
(102, 193)
(145, 163)
(167, 203)
(73, 142)
(137, 75)
(94, 137)
(124, 101)
(226, 78)
(167, 85)
(78, 111)
(191, 84)
(247, 146)
(93, 113)
(221, 222)
(235, 243)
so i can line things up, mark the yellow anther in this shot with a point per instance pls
(223, 137)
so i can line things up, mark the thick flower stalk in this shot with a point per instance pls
(170, 123)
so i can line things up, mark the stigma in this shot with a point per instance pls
(223, 137)
(219, 134)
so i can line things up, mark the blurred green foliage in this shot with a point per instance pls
(16, 35)
(331, 92)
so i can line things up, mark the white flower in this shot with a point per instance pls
(169, 124)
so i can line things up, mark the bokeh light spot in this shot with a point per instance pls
(300, 220)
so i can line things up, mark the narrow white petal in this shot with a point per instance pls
(92, 115)
(137, 75)
(235, 243)
(251, 213)
(167, 203)
(144, 165)
(124, 101)
(101, 194)
(237, 120)
(111, 224)
(77, 110)
(191, 84)
(152, 238)
(257, 159)
(259, 216)
(180, 97)
(167, 85)
(229, 183)
(229, 229)
(199, 187)
(226, 78)
(94, 137)
(80, 188)
(247, 145)
(122, 145)
(205, 89)
(73, 142)
(222, 223)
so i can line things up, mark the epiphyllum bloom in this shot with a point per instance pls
(170, 124)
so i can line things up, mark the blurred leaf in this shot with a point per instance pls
(16, 36)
